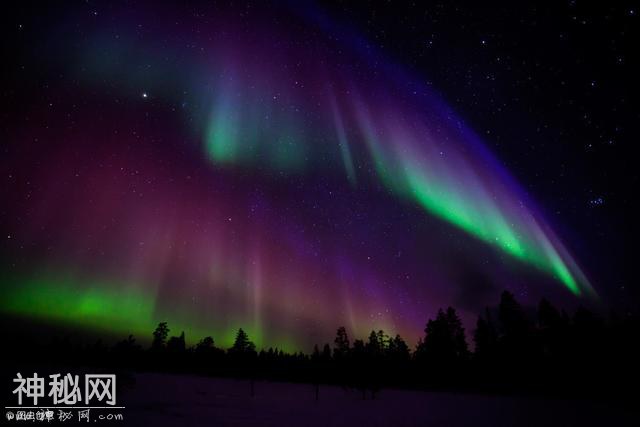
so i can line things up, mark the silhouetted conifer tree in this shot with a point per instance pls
(398, 350)
(375, 344)
(127, 346)
(548, 316)
(326, 353)
(341, 349)
(242, 345)
(177, 344)
(315, 355)
(512, 317)
(160, 336)
(516, 342)
(485, 338)
(444, 340)
(552, 330)
(205, 345)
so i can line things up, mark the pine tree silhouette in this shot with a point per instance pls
(177, 344)
(160, 336)
(341, 349)
(242, 345)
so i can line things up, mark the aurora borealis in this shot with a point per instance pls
(231, 171)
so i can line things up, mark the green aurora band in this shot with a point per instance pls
(113, 308)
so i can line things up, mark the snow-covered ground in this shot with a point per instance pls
(175, 400)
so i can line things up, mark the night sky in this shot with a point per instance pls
(295, 167)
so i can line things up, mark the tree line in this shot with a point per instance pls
(514, 350)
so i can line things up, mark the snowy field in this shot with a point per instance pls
(168, 400)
